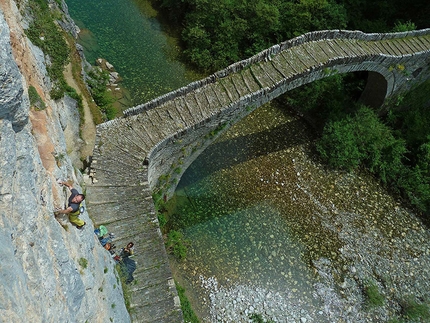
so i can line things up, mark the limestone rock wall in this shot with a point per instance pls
(50, 271)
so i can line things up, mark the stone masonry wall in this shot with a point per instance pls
(267, 54)
(171, 157)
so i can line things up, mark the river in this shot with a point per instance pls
(271, 230)
(128, 35)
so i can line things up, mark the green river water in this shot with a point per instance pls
(128, 35)
(268, 225)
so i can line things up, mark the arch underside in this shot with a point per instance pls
(377, 90)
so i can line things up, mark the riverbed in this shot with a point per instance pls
(273, 232)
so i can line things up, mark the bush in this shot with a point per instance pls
(97, 82)
(412, 310)
(83, 262)
(338, 145)
(362, 139)
(35, 99)
(258, 318)
(407, 26)
(161, 220)
(177, 244)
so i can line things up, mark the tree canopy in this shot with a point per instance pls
(218, 33)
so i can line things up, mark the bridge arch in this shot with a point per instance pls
(386, 79)
(152, 145)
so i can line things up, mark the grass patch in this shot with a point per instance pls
(126, 291)
(189, 315)
(45, 34)
(394, 320)
(176, 244)
(83, 263)
(374, 298)
(414, 311)
(258, 318)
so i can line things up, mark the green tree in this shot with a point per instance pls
(309, 15)
(363, 139)
(338, 144)
(415, 180)
(406, 26)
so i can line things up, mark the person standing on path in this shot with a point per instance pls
(74, 206)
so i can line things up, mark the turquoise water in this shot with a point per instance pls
(261, 212)
(251, 245)
(128, 35)
(237, 204)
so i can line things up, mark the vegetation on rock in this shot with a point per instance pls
(189, 315)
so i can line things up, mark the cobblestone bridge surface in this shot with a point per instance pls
(161, 138)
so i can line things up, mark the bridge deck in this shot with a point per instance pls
(120, 196)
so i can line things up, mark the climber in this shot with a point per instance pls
(74, 207)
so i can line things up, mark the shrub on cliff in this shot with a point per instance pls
(35, 99)
(44, 33)
(97, 81)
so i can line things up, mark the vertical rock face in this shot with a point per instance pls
(12, 105)
(50, 271)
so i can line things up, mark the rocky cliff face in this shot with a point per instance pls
(50, 271)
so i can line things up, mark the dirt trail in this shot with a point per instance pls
(88, 131)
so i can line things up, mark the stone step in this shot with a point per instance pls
(153, 291)
(158, 312)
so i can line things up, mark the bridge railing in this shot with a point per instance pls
(266, 55)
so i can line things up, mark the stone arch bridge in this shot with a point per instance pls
(148, 149)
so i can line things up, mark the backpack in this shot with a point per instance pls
(101, 231)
